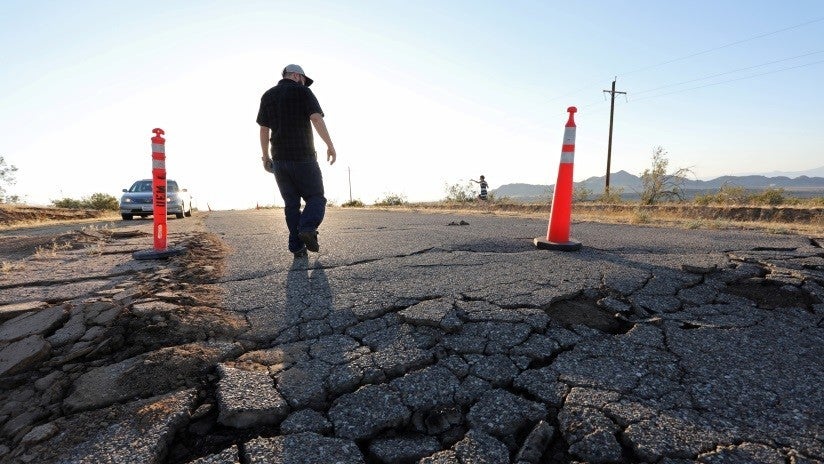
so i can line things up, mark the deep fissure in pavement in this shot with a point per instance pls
(584, 310)
(771, 294)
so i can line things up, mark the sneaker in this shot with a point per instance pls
(301, 253)
(310, 239)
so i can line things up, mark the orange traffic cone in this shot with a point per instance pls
(557, 234)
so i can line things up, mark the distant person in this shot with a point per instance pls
(284, 118)
(484, 186)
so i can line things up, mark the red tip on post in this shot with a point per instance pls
(158, 132)
(571, 122)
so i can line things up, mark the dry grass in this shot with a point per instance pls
(7, 267)
(94, 249)
(22, 222)
(50, 251)
(672, 219)
(20, 216)
(810, 220)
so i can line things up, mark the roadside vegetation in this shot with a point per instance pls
(353, 204)
(7, 179)
(391, 199)
(662, 201)
(98, 201)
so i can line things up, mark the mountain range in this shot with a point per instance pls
(631, 184)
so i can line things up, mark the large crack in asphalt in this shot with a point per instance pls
(274, 271)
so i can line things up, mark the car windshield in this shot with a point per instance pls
(146, 186)
(141, 186)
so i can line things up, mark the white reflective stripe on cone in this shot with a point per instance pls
(159, 148)
(158, 164)
(568, 157)
(569, 136)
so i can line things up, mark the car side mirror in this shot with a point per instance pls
(184, 190)
(125, 190)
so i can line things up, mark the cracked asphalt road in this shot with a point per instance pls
(410, 340)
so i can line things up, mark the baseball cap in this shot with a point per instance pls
(293, 68)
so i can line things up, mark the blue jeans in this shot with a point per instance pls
(296, 180)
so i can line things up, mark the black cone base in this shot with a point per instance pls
(154, 254)
(544, 244)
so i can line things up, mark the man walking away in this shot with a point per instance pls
(284, 119)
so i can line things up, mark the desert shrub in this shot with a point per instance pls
(68, 203)
(102, 202)
(98, 201)
(461, 193)
(581, 194)
(703, 199)
(726, 195)
(352, 204)
(733, 195)
(7, 177)
(772, 197)
(695, 224)
(391, 199)
(640, 216)
(659, 185)
(611, 197)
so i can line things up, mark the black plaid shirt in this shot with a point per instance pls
(285, 109)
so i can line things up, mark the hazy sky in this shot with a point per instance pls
(417, 95)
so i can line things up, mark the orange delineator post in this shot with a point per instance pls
(159, 210)
(557, 235)
(159, 189)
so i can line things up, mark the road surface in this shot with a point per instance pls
(410, 339)
(414, 338)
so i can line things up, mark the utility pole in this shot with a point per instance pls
(349, 169)
(611, 116)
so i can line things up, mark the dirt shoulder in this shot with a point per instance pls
(779, 219)
(12, 216)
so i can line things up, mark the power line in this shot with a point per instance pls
(730, 80)
(729, 72)
(580, 107)
(724, 46)
(767, 34)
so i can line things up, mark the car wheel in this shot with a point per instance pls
(188, 212)
(179, 215)
(127, 217)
